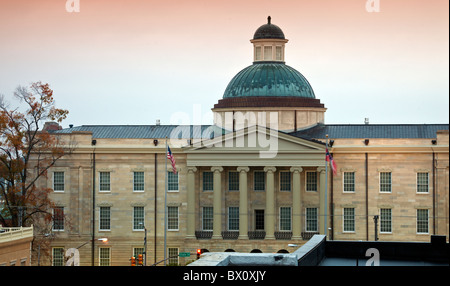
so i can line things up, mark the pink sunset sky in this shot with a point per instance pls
(135, 61)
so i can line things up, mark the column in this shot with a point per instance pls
(243, 202)
(191, 202)
(322, 206)
(296, 203)
(217, 202)
(270, 203)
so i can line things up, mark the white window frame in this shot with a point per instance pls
(178, 182)
(53, 220)
(417, 183)
(390, 183)
(134, 219)
(173, 218)
(306, 182)
(235, 219)
(102, 259)
(63, 182)
(100, 219)
(417, 221)
(289, 219)
(134, 181)
(390, 220)
(316, 219)
(100, 182)
(290, 181)
(254, 181)
(344, 183)
(351, 219)
(203, 218)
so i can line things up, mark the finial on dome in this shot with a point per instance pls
(268, 20)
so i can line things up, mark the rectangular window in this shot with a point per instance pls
(172, 218)
(58, 256)
(137, 251)
(349, 182)
(285, 218)
(138, 218)
(105, 181)
(386, 220)
(138, 181)
(422, 182)
(267, 53)
(311, 220)
(104, 256)
(208, 181)
(233, 218)
(58, 219)
(259, 219)
(278, 54)
(422, 221)
(385, 182)
(311, 181)
(259, 181)
(257, 53)
(285, 181)
(172, 254)
(207, 218)
(58, 181)
(172, 181)
(105, 218)
(349, 220)
(233, 181)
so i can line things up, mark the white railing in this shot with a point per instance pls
(14, 233)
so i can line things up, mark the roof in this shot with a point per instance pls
(146, 131)
(269, 79)
(268, 31)
(334, 131)
(338, 131)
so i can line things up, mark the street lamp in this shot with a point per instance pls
(145, 243)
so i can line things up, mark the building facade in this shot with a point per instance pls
(255, 181)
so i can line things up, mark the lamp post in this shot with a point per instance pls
(145, 244)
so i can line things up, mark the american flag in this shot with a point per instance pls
(329, 158)
(172, 159)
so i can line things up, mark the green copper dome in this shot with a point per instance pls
(269, 79)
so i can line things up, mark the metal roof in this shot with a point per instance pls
(339, 131)
(334, 131)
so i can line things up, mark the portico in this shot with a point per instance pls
(254, 197)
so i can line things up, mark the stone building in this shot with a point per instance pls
(255, 181)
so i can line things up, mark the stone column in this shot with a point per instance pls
(322, 206)
(296, 203)
(191, 202)
(243, 202)
(270, 203)
(217, 202)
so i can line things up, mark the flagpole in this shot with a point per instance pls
(326, 189)
(165, 206)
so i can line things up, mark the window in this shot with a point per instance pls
(311, 220)
(172, 218)
(385, 182)
(259, 219)
(104, 256)
(105, 218)
(233, 218)
(257, 53)
(207, 218)
(278, 53)
(386, 220)
(58, 219)
(267, 53)
(422, 221)
(422, 182)
(58, 256)
(349, 220)
(285, 181)
(259, 181)
(172, 254)
(233, 181)
(138, 218)
(207, 181)
(137, 251)
(138, 181)
(349, 182)
(311, 181)
(105, 182)
(58, 181)
(285, 218)
(172, 181)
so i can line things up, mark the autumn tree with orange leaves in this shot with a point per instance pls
(26, 154)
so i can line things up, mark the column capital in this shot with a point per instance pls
(296, 169)
(217, 168)
(191, 169)
(270, 169)
(321, 169)
(243, 169)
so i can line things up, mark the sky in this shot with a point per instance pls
(131, 62)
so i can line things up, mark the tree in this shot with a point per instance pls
(26, 154)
